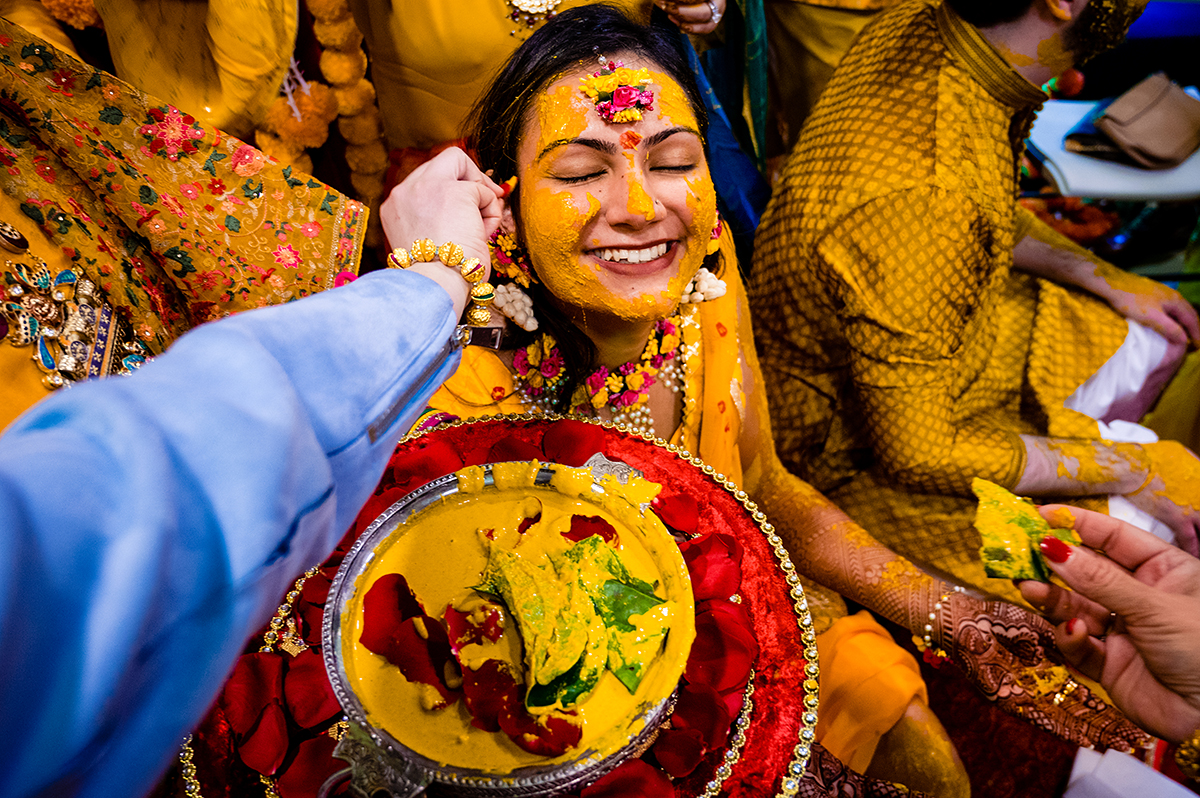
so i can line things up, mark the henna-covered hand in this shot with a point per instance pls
(1005, 651)
(829, 777)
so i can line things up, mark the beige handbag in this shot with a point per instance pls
(1156, 123)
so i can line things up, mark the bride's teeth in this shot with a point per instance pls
(633, 255)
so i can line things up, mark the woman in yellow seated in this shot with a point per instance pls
(612, 234)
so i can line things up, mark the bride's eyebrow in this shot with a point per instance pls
(606, 147)
(663, 135)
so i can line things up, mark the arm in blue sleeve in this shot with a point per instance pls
(148, 525)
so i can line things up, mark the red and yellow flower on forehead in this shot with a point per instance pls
(619, 93)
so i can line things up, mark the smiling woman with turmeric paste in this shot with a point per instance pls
(624, 303)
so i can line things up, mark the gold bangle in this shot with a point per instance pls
(399, 258)
(472, 270)
(482, 295)
(450, 254)
(423, 250)
(1187, 756)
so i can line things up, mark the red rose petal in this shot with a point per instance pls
(487, 691)
(714, 563)
(529, 521)
(391, 617)
(422, 658)
(724, 649)
(678, 511)
(314, 763)
(463, 631)
(584, 526)
(256, 681)
(264, 749)
(387, 605)
(424, 465)
(513, 449)
(701, 708)
(572, 442)
(679, 751)
(635, 778)
(496, 703)
(734, 699)
(307, 692)
(373, 509)
(548, 735)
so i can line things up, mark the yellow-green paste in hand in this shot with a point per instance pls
(1011, 529)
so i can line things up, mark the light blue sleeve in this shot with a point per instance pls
(150, 524)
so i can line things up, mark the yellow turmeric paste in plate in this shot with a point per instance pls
(443, 552)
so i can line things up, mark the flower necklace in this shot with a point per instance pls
(625, 390)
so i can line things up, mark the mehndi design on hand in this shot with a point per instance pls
(1006, 652)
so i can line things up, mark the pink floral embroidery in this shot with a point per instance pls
(171, 132)
(189, 190)
(247, 161)
(173, 205)
(311, 229)
(287, 256)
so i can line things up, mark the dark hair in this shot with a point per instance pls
(984, 13)
(572, 40)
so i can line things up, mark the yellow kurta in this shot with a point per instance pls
(431, 60)
(723, 408)
(903, 355)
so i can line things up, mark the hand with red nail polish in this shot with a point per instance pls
(1055, 550)
(1149, 658)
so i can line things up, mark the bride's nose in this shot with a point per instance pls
(634, 207)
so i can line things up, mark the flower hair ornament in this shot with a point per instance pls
(620, 94)
(509, 258)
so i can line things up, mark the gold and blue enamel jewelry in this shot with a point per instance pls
(74, 335)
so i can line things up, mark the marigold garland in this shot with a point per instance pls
(301, 121)
(78, 14)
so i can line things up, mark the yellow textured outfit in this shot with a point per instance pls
(904, 355)
(220, 60)
(867, 682)
(807, 39)
(159, 223)
(431, 60)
